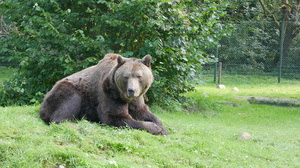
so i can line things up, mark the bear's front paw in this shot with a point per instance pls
(164, 131)
(153, 128)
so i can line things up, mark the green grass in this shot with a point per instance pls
(263, 86)
(204, 135)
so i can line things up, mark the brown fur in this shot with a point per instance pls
(111, 92)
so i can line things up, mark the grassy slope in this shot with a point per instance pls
(205, 138)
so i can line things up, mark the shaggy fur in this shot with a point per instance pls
(111, 92)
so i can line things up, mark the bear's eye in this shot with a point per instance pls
(125, 78)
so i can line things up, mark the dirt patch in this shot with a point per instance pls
(232, 104)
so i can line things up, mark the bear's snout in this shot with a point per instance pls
(130, 92)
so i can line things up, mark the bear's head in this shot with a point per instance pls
(133, 77)
(129, 79)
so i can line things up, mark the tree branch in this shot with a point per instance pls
(267, 13)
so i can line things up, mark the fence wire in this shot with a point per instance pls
(5, 30)
(253, 48)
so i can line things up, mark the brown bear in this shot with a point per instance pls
(111, 92)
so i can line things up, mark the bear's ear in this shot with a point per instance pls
(121, 60)
(147, 60)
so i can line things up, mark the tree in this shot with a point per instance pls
(56, 38)
(253, 42)
(287, 11)
(257, 27)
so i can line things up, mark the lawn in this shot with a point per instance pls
(203, 134)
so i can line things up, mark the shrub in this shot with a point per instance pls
(55, 38)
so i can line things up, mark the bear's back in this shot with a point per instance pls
(96, 72)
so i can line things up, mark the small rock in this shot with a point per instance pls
(244, 136)
(235, 89)
(221, 87)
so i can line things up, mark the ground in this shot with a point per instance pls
(206, 137)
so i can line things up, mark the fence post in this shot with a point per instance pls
(281, 48)
(216, 64)
(219, 73)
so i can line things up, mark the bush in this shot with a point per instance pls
(53, 39)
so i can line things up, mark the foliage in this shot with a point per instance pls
(257, 46)
(257, 32)
(243, 10)
(287, 11)
(6, 73)
(55, 38)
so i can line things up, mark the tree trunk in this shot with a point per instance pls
(292, 29)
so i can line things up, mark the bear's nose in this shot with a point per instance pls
(130, 92)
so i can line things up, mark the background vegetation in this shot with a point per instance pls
(53, 39)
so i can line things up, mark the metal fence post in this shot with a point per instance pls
(281, 49)
(216, 64)
(219, 73)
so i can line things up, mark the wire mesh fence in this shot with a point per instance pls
(253, 48)
(5, 30)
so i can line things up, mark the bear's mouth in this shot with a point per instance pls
(128, 97)
(131, 97)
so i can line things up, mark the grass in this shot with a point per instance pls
(204, 135)
(256, 86)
